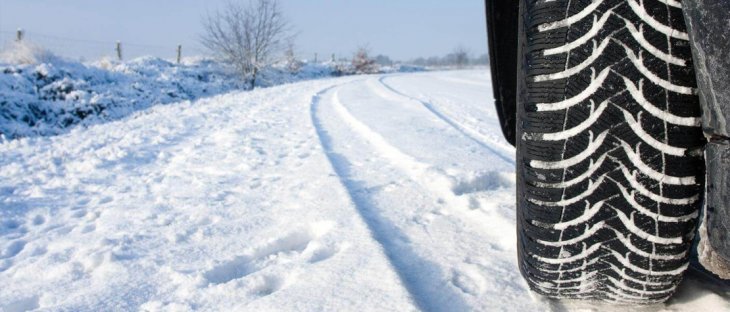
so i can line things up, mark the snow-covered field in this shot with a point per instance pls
(363, 193)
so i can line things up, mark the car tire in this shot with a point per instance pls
(609, 159)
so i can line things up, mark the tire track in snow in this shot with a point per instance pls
(405, 261)
(440, 183)
(445, 188)
(461, 128)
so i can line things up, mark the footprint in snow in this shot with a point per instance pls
(318, 252)
(5, 264)
(79, 214)
(482, 182)
(267, 285)
(296, 246)
(25, 304)
(39, 220)
(88, 228)
(469, 280)
(10, 225)
(230, 270)
(13, 249)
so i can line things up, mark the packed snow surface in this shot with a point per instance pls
(362, 193)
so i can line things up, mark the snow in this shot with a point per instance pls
(55, 95)
(43, 94)
(377, 193)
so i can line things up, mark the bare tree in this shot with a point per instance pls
(482, 59)
(461, 56)
(246, 35)
(362, 63)
(293, 64)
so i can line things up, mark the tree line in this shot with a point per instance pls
(250, 35)
(459, 58)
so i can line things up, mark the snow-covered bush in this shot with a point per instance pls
(363, 64)
(25, 52)
(282, 72)
(292, 63)
(42, 94)
(50, 97)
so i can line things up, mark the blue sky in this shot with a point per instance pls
(401, 29)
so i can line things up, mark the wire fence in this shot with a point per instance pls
(84, 49)
(92, 50)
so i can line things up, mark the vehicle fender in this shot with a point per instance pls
(708, 26)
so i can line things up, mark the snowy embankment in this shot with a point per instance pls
(41, 94)
(56, 95)
(362, 193)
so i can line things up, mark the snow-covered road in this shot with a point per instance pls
(361, 193)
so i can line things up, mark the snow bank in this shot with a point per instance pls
(42, 94)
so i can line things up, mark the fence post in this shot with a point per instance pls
(179, 53)
(315, 57)
(119, 50)
(19, 35)
(333, 57)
